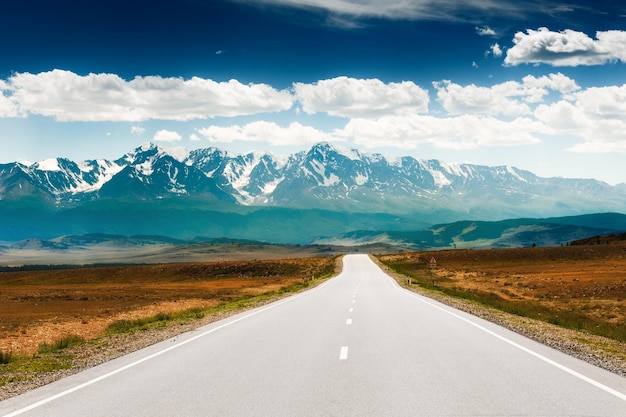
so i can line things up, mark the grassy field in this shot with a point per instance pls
(42, 306)
(45, 312)
(576, 287)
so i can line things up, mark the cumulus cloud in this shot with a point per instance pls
(268, 132)
(463, 132)
(566, 48)
(509, 99)
(67, 96)
(137, 130)
(496, 50)
(596, 115)
(350, 97)
(8, 107)
(485, 31)
(167, 136)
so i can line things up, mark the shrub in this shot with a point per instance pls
(61, 344)
(130, 326)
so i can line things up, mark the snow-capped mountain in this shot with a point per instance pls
(323, 177)
(58, 178)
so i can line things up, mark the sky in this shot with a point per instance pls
(535, 84)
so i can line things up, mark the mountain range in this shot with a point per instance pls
(323, 192)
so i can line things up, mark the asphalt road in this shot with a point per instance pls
(357, 345)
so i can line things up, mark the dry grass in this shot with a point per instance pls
(578, 287)
(43, 306)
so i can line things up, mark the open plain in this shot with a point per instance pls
(571, 298)
(579, 287)
(40, 306)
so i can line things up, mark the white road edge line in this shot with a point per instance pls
(564, 368)
(159, 353)
(343, 354)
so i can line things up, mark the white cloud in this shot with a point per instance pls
(463, 132)
(510, 99)
(607, 101)
(535, 88)
(167, 136)
(400, 131)
(350, 97)
(485, 31)
(596, 115)
(496, 50)
(137, 130)
(472, 99)
(268, 132)
(7, 105)
(67, 96)
(566, 48)
(194, 138)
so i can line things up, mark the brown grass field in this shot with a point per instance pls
(43, 306)
(577, 287)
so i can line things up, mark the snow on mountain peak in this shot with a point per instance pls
(51, 164)
(179, 153)
(313, 178)
(515, 173)
(324, 148)
(352, 154)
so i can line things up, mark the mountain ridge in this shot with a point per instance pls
(152, 189)
(321, 174)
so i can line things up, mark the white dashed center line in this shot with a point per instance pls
(349, 321)
(343, 355)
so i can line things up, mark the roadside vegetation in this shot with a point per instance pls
(576, 287)
(120, 301)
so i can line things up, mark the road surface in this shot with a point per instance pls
(358, 345)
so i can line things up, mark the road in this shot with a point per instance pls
(358, 345)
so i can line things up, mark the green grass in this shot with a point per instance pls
(131, 326)
(23, 367)
(60, 344)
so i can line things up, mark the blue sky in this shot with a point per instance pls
(540, 85)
